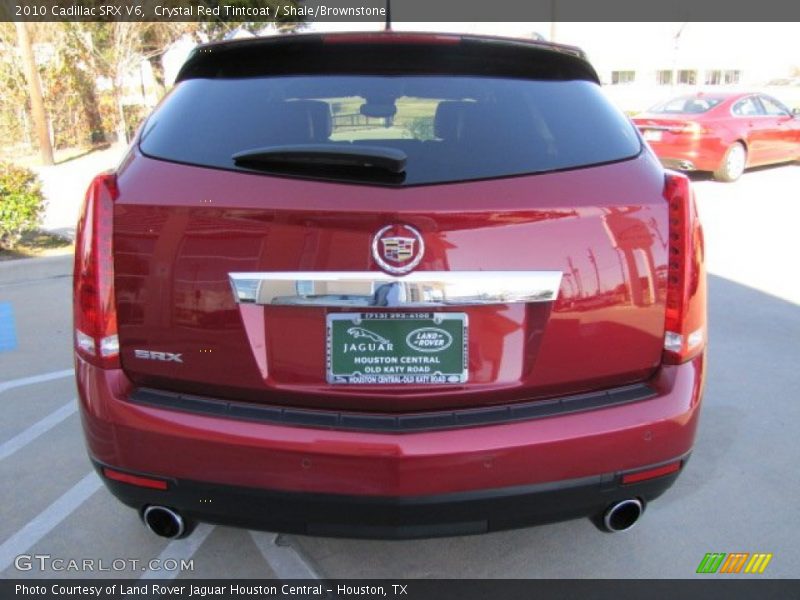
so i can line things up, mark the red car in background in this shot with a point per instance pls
(721, 132)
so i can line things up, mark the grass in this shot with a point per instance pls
(38, 243)
(408, 110)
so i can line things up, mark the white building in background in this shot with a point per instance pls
(643, 63)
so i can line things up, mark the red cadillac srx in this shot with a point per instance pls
(388, 285)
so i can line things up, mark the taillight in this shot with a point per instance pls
(693, 128)
(685, 321)
(95, 314)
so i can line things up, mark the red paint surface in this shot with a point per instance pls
(179, 231)
(179, 445)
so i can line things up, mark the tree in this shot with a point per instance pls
(74, 93)
(215, 29)
(115, 50)
(40, 121)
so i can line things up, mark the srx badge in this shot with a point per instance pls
(162, 356)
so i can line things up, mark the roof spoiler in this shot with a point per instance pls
(297, 54)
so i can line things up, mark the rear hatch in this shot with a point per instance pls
(352, 224)
(675, 128)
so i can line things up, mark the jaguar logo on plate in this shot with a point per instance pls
(398, 248)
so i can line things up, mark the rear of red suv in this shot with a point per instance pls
(388, 285)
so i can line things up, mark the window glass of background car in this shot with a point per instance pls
(452, 128)
(773, 107)
(687, 104)
(746, 107)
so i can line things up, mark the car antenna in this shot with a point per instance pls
(388, 26)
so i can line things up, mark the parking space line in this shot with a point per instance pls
(15, 383)
(34, 431)
(180, 550)
(48, 519)
(282, 558)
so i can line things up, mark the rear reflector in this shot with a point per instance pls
(156, 484)
(94, 310)
(685, 317)
(651, 473)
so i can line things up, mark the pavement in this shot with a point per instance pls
(737, 494)
(751, 229)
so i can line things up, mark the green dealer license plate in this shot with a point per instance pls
(404, 348)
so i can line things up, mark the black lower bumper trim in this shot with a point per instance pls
(391, 517)
(389, 423)
(678, 164)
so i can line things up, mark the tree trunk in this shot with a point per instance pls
(90, 107)
(158, 73)
(122, 127)
(40, 121)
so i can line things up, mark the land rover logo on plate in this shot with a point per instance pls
(398, 248)
(429, 339)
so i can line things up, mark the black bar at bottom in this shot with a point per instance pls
(708, 587)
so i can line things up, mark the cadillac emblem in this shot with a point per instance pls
(398, 248)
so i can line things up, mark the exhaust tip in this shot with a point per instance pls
(164, 522)
(623, 515)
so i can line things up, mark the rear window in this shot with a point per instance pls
(687, 105)
(451, 128)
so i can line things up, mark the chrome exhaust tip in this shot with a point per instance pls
(164, 522)
(623, 515)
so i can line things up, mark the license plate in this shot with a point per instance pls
(397, 348)
(652, 135)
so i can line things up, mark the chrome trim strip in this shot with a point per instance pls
(416, 290)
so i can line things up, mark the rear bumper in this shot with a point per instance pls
(329, 481)
(459, 513)
(698, 154)
(678, 164)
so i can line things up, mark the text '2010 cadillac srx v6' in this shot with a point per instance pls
(388, 285)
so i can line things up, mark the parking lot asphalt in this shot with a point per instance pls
(738, 493)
